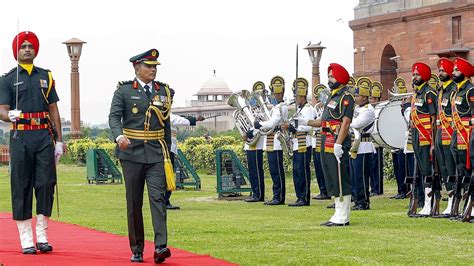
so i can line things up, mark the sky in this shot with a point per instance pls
(244, 41)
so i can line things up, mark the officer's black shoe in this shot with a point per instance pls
(321, 197)
(374, 194)
(299, 203)
(274, 202)
(360, 207)
(251, 199)
(401, 196)
(331, 224)
(172, 207)
(445, 199)
(161, 254)
(30, 250)
(44, 247)
(137, 257)
(443, 216)
(331, 206)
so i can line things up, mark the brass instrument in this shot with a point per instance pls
(243, 116)
(398, 96)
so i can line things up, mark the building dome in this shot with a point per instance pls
(214, 86)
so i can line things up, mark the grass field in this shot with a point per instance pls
(254, 234)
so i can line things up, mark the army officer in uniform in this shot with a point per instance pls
(140, 122)
(335, 122)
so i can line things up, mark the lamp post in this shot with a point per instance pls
(315, 52)
(74, 49)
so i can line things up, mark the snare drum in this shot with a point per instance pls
(389, 126)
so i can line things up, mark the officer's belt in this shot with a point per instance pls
(32, 121)
(144, 135)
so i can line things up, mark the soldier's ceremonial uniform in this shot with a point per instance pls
(272, 145)
(175, 122)
(376, 176)
(339, 105)
(302, 147)
(141, 112)
(362, 148)
(323, 192)
(423, 110)
(32, 143)
(255, 160)
(462, 109)
(445, 130)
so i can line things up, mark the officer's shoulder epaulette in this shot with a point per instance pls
(171, 92)
(350, 94)
(120, 83)
(13, 70)
(162, 84)
(42, 69)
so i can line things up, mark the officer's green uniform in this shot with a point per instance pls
(31, 144)
(445, 132)
(144, 159)
(339, 104)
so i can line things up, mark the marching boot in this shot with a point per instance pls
(425, 212)
(337, 210)
(447, 212)
(26, 236)
(341, 215)
(42, 234)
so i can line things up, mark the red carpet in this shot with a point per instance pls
(77, 245)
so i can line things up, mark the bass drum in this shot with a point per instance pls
(389, 126)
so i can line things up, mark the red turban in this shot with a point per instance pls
(447, 65)
(22, 37)
(339, 73)
(423, 69)
(464, 66)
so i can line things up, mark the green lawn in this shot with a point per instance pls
(251, 233)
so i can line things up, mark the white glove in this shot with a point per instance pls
(13, 115)
(338, 152)
(58, 151)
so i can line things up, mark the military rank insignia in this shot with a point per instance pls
(471, 99)
(43, 83)
(444, 102)
(157, 101)
(345, 102)
(135, 84)
(458, 100)
(134, 109)
(419, 102)
(429, 101)
(332, 104)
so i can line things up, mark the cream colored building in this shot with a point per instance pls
(210, 101)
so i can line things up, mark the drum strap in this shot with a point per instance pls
(462, 132)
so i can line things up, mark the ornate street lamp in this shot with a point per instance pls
(315, 52)
(74, 50)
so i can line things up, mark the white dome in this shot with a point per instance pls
(214, 86)
(215, 83)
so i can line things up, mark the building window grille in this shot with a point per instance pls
(456, 29)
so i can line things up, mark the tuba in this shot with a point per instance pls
(243, 116)
(261, 113)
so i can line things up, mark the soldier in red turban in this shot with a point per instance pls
(28, 100)
(446, 163)
(462, 117)
(423, 121)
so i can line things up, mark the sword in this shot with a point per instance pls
(339, 178)
(15, 134)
